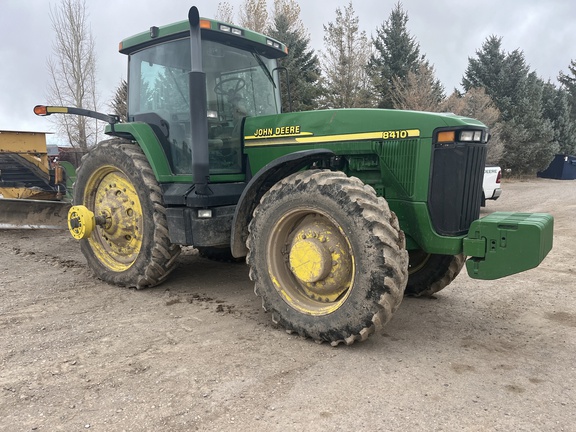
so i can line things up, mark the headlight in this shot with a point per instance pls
(470, 136)
(204, 213)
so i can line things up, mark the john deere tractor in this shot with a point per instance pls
(339, 213)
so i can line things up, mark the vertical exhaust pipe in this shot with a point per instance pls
(198, 108)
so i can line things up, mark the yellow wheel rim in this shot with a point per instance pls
(111, 194)
(311, 262)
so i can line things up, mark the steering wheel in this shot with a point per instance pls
(240, 84)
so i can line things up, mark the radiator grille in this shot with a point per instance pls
(456, 186)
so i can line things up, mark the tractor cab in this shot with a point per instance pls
(241, 80)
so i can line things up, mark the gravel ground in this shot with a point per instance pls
(198, 352)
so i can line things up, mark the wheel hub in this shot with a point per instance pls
(320, 260)
(310, 261)
(115, 202)
(122, 225)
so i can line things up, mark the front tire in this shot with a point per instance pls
(327, 256)
(133, 248)
(430, 273)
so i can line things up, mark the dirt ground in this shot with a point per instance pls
(198, 352)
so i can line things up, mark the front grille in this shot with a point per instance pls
(455, 192)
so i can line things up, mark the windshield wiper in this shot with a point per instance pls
(263, 66)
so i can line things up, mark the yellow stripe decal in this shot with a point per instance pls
(309, 138)
(300, 134)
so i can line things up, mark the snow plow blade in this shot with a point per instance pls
(33, 214)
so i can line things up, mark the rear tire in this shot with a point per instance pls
(327, 256)
(430, 273)
(133, 249)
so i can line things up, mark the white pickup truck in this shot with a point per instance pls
(491, 185)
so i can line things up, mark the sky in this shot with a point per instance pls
(448, 32)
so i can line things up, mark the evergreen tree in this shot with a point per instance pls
(556, 108)
(487, 69)
(396, 54)
(502, 75)
(568, 82)
(528, 136)
(302, 64)
(538, 148)
(119, 103)
(344, 62)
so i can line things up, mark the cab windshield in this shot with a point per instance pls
(239, 83)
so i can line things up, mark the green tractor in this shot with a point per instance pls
(339, 213)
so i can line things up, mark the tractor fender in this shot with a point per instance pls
(148, 138)
(262, 181)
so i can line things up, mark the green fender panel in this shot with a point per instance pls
(146, 138)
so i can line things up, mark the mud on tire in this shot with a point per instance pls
(327, 256)
(133, 250)
(430, 273)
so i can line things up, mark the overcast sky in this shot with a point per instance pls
(448, 31)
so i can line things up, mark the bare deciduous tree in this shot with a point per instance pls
(290, 11)
(475, 103)
(72, 70)
(419, 90)
(225, 12)
(254, 15)
(344, 61)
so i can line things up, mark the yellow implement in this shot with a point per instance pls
(31, 187)
(33, 214)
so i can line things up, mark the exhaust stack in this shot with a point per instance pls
(198, 108)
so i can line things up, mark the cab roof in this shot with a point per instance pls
(215, 29)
